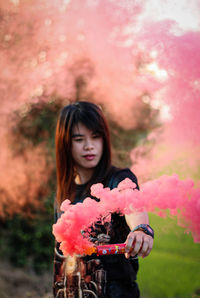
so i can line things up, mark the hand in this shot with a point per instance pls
(138, 243)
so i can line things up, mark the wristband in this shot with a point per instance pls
(144, 228)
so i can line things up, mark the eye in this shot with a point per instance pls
(78, 139)
(96, 135)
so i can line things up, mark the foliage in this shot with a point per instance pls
(35, 124)
(28, 242)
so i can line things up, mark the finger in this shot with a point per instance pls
(129, 242)
(137, 244)
(144, 247)
(150, 247)
(142, 252)
(147, 246)
(129, 245)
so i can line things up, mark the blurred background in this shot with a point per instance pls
(139, 60)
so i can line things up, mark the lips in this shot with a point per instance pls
(89, 156)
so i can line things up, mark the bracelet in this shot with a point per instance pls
(144, 228)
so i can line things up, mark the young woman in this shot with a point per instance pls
(83, 158)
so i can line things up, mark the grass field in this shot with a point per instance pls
(173, 268)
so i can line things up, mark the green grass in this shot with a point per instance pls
(173, 267)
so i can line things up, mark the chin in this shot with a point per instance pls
(91, 165)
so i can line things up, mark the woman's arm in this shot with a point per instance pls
(138, 242)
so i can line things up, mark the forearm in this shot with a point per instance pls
(136, 218)
(138, 242)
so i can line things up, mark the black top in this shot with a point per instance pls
(116, 266)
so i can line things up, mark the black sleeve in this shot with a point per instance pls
(122, 174)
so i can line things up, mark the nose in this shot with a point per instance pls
(88, 144)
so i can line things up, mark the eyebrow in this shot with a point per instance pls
(77, 135)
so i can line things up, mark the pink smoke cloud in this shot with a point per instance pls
(46, 45)
(178, 140)
(166, 193)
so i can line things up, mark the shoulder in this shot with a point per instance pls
(121, 174)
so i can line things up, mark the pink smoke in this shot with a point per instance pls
(46, 45)
(57, 41)
(165, 193)
(176, 144)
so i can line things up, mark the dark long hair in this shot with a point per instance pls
(92, 117)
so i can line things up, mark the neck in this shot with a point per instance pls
(83, 175)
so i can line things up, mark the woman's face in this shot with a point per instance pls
(87, 147)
